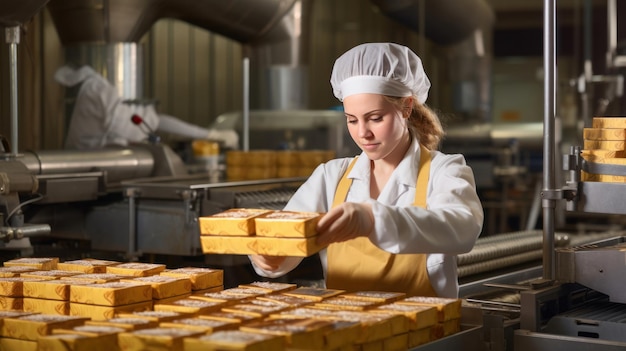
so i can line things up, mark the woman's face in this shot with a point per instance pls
(376, 125)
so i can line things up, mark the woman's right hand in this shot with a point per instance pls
(267, 263)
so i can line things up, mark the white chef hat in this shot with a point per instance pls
(379, 68)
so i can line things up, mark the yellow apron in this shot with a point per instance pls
(359, 265)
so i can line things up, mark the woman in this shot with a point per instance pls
(398, 214)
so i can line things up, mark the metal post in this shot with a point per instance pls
(549, 203)
(246, 104)
(13, 38)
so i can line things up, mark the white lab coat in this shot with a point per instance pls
(101, 118)
(449, 226)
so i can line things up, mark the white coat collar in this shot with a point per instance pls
(403, 178)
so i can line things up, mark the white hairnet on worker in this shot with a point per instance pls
(101, 118)
(380, 68)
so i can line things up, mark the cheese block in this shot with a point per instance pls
(93, 278)
(419, 316)
(604, 144)
(605, 160)
(49, 274)
(155, 339)
(249, 292)
(201, 278)
(17, 344)
(11, 303)
(209, 290)
(287, 224)
(164, 287)
(235, 340)
(224, 298)
(315, 294)
(33, 326)
(74, 342)
(258, 310)
(299, 334)
(13, 314)
(136, 269)
(15, 271)
(396, 342)
(111, 294)
(233, 316)
(46, 306)
(342, 303)
(86, 265)
(419, 337)
(203, 325)
(604, 133)
(13, 287)
(608, 122)
(445, 328)
(47, 289)
(251, 245)
(378, 296)
(40, 263)
(447, 308)
(343, 333)
(156, 316)
(125, 323)
(235, 221)
(606, 178)
(291, 301)
(270, 287)
(91, 330)
(604, 153)
(189, 305)
(98, 312)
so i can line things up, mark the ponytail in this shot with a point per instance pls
(423, 123)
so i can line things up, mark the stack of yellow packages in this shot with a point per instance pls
(265, 164)
(605, 143)
(247, 231)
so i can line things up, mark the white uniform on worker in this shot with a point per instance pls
(397, 216)
(101, 118)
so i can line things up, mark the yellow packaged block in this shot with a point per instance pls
(40, 263)
(111, 294)
(136, 269)
(189, 305)
(156, 316)
(287, 224)
(606, 178)
(257, 309)
(125, 323)
(93, 278)
(298, 333)
(201, 278)
(33, 326)
(419, 316)
(604, 145)
(15, 271)
(47, 289)
(235, 221)
(270, 287)
(291, 301)
(87, 265)
(17, 344)
(604, 133)
(98, 312)
(46, 306)
(315, 294)
(13, 287)
(203, 325)
(50, 274)
(604, 153)
(342, 303)
(447, 308)
(11, 303)
(605, 160)
(445, 328)
(75, 342)
(419, 337)
(235, 340)
(164, 287)
(378, 296)
(155, 339)
(608, 122)
(240, 245)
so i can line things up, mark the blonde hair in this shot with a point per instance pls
(423, 122)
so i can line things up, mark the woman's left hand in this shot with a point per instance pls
(344, 222)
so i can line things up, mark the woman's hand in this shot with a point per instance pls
(344, 222)
(267, 263)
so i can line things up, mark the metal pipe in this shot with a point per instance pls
(246, 104)
(13, 38)
(549, 202)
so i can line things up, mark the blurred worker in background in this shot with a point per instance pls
(101, 118)
(399, 213)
